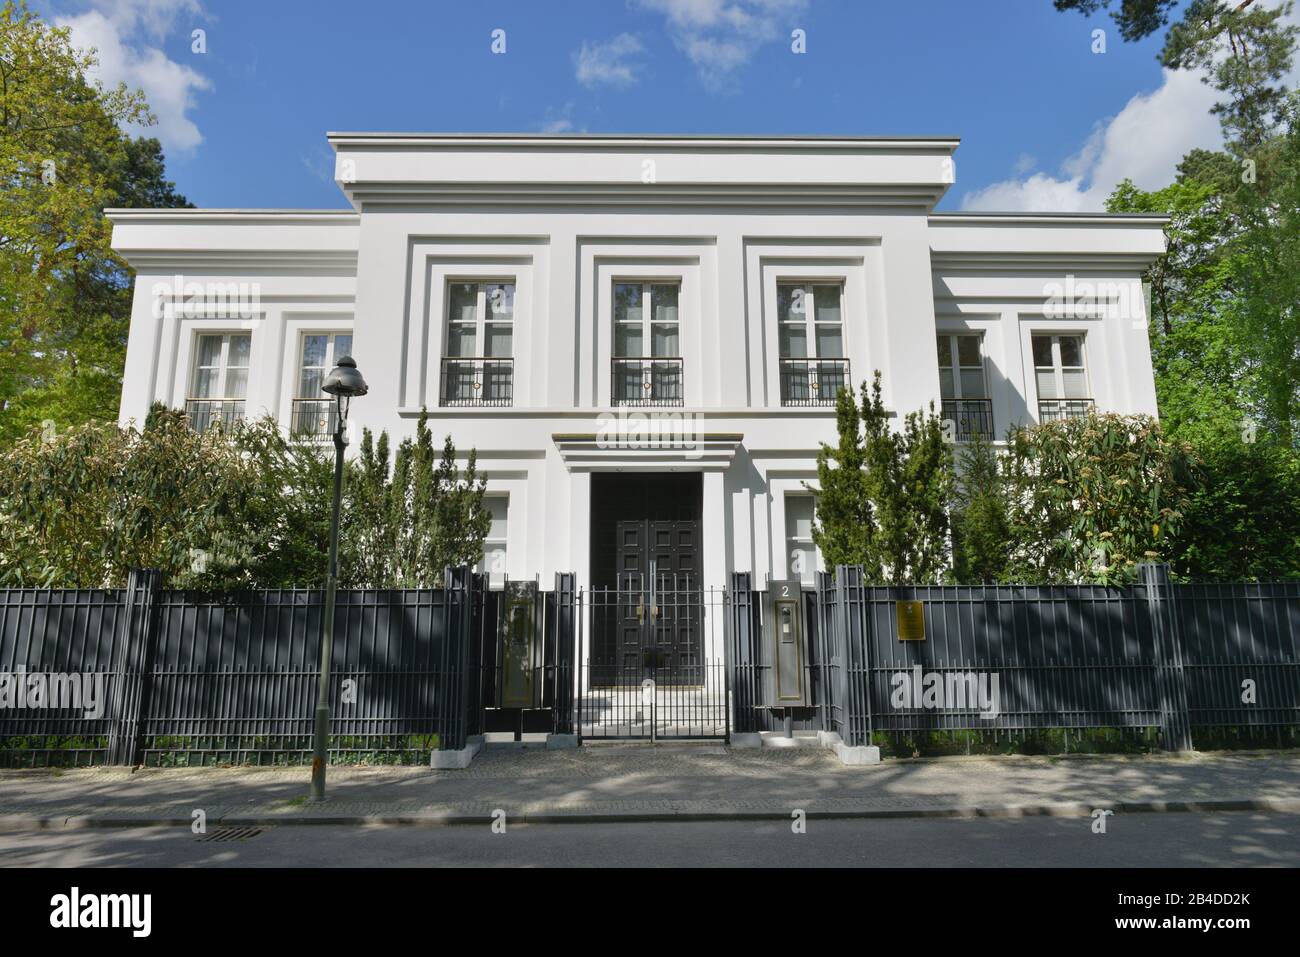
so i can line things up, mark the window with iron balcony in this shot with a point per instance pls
(1061, 377)
(219, 383)
(646, 368)
(478, 367)
(810, 330)
(967, 409)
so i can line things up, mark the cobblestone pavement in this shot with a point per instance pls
(641, 781)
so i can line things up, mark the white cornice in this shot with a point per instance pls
(605, 141)
(251, 217)
(333, 262)
(1051, 219)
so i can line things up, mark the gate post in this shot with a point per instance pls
(741, 622)
(134, 659)
(852, 618)
(1175, 724)
(453, 692)
(565, 652)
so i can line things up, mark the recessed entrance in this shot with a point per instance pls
(645, 569)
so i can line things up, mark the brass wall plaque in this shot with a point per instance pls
(911, 620)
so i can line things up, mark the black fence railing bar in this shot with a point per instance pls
(646, 381)
(470, 381)
(970, 418)
(1054, 410)
(313, 418)
(812, 382)
(203, 413)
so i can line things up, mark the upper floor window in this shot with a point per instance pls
(478, 366)
(314, 413)
(810, 333)
(963, 386)
(647, 359)
(1061, 377)
(220, 381)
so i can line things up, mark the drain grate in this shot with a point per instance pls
(230, 834)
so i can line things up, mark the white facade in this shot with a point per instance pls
(717, 232)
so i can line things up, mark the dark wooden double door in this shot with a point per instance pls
(646, 558)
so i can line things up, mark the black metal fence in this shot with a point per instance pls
(148, 675)
(1180, 662)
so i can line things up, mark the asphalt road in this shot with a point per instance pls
(1132, 840)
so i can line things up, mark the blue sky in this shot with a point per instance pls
(1045, 122)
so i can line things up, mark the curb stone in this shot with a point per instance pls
(559, 815)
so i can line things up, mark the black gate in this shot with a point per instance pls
(652, 660)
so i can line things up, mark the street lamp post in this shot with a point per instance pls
(343, 383)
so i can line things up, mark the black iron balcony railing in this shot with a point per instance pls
(313, 418)
(204, 412)
(1054, 410)
(813, 381)
(477, 381)
(969, 418)
(646, 381)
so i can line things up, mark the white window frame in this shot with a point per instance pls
(502, 544)
(792, 540)
(480, 315)
(1058, 370)
(810, 317)
(223, 366)
(331, 360)
(956, 368)
(647, 315)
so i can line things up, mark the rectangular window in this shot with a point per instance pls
(314, 413)
(647, 354)
(494, 546)
(220, 380)
(478, 363)
(963, 386)
(810, 337)
(1061, 377)
(800, 551)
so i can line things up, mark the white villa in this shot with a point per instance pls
(642, 336)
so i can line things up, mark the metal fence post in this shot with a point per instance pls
(740, 621)
(454, 694)
(1175, 725)
(135, 657)
(852, 619)
(565, 651)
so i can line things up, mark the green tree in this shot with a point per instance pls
(885, 494)
(981, 529)
(1091, 498)
(843, 526)
(64, 295)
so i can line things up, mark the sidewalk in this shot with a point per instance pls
(640, 783)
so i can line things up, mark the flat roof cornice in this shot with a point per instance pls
(408, 140)
(1050, 218)
(283, 216)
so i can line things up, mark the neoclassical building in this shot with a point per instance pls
(642, 336)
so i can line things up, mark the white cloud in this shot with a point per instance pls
(612, 64)
(119, 31)
(560, 121)
(720, 36)
(1144, 142)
